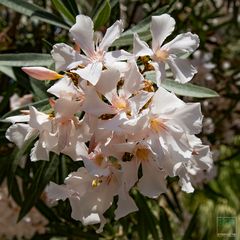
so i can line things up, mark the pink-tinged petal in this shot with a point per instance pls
(161, 27)
(122, 67)
(41, 73)
(64, 133)
(140, 48)
(17, 133)
(91, 72)
(64, 88)
(189, 118)
(65, 108)
(185, 180)
(182, 70)
(138, 101)
(94, 105)
(164, 102)
(65, 57)
(112, 34)
(175, 150)
(133, 79)
(57, 192)
(153, 182)
(76, 151)
(159, 68)
(107, 84)
(38, 152)
(182, 43)
(38, 119)
(82, 32)
(125, 205)
(117, 55)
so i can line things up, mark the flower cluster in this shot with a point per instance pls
(126, 129)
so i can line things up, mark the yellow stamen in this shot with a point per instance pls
(142, 154)
(96, 182)
(157, 125)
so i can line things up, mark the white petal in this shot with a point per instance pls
(153, 182)
(38, 152)
(111, 35)
(133, 79)
(107, 84)
(159, 68)
(140, 48)
(117, 55)
(39, 120)
(138, 101)
(189, 118)
(65, 108)
(91, 72)
(122, 67)
(63, 88)
(18, 118)
(76, 151)
(64, 133)
(17, 133)
(64, 56)
(125, 205)
(182, 43)
(182, 70)
(82, 32)
(161, 27)
(57, 192)
(94, 105)
(164, 102)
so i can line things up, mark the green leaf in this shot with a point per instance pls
(147, 219)
(39, 104)
(8, 71)
(40, 180)
(165, 225)
(34, 11)
(25, 59)
(102, 15)
(62, 9)
(142, 28)
(186, 89)
(191, 226)
(39, 89)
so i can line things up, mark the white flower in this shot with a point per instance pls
(161, 27)
(96, 57)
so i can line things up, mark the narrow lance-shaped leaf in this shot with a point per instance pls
(165, 225)
(148, 216)
(25, 59)
(191, 226)
(34, 11)
(39, 104)
(102, 15)
(186, 89)
(64, 11)
(41, 179)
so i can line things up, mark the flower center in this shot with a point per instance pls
(161, 55)
(96, 182)
(99, 159)
(119, 103)
(142, 154)
(157, 125)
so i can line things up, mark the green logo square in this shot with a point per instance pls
(226, 226)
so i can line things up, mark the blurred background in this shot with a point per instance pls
(31, 28)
